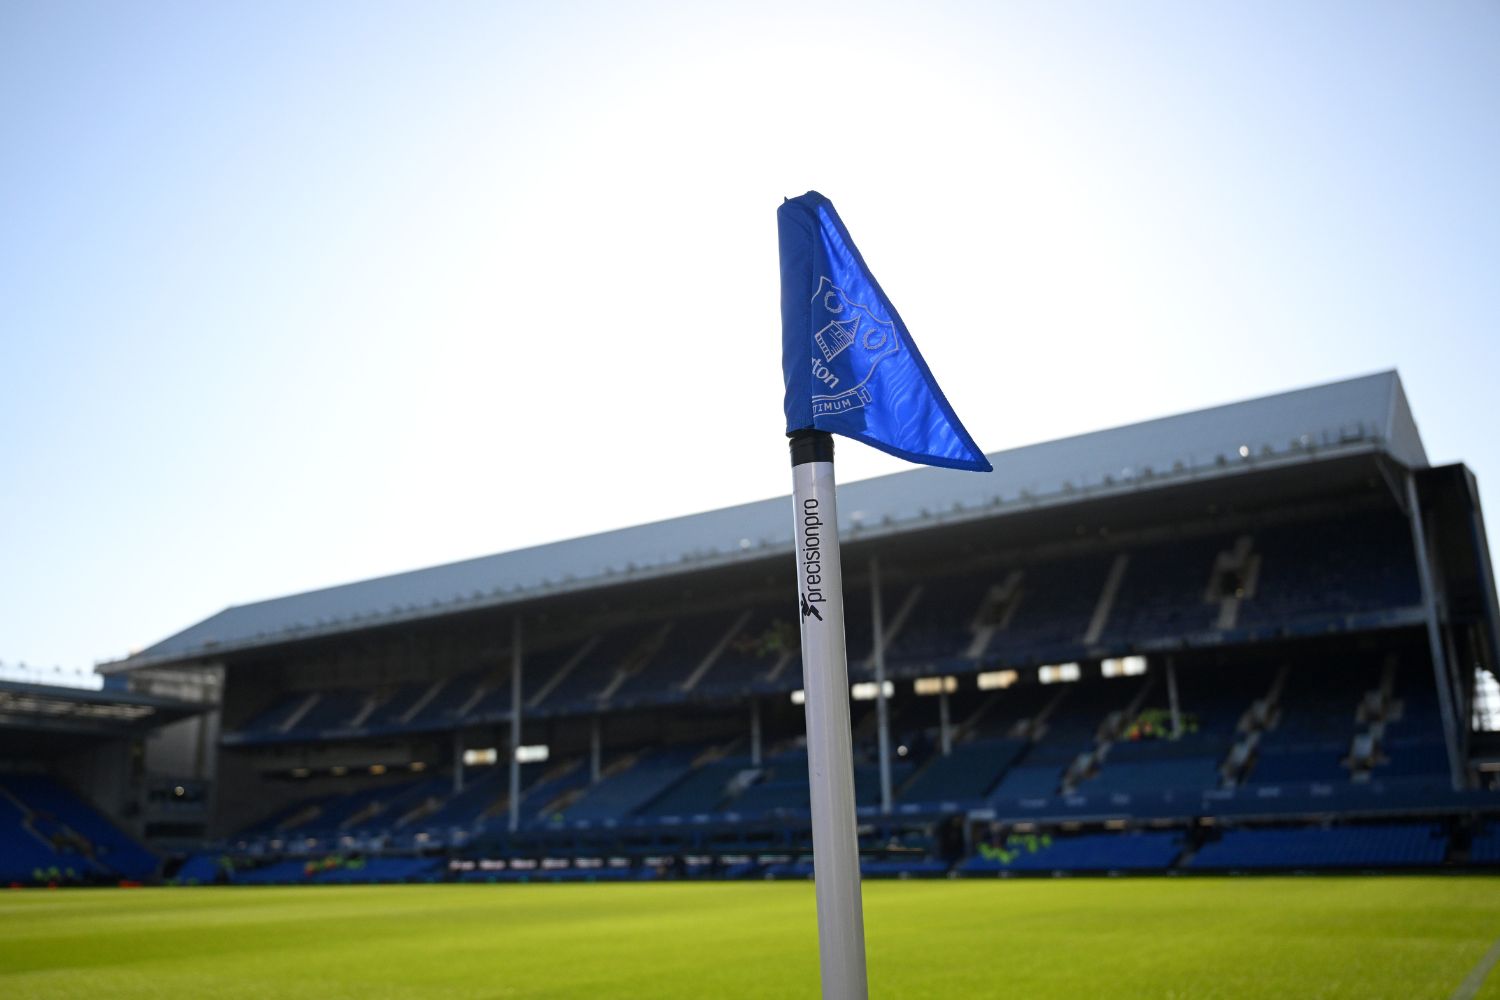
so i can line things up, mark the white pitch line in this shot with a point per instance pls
(1469, 988)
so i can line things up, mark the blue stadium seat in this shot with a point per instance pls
(1382, 845)
(109, 848)
(1126, 851)
(966, 775)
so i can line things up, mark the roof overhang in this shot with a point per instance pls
(1309, 441)
(43, 710)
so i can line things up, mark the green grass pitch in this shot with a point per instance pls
(1400, 937)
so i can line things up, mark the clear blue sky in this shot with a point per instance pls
(295, 294)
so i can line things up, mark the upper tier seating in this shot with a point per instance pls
(334, 709)
(768, 641)
(1163, 590)
(1052, 608)
(629, 646)
(682, 651)
(1012, 613)
(393, 707)
(1359, 562)
(939, 626)
(446, 707)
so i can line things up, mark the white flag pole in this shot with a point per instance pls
(830, 752)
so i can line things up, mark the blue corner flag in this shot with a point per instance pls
(850, 365)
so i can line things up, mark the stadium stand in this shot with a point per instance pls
(1201, 644)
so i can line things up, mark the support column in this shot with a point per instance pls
(1435, 646)
(458, 761)
(596, 749)
(515, 725)
(1172, 697)
(754, 731)
(882, 710)
(945, 726)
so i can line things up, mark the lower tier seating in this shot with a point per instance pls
(1371, 845)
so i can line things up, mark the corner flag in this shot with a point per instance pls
(849, 363)
(851, 368)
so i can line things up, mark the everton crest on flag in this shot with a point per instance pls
(849, 363)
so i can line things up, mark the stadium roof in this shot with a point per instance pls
(1367, 415)
(38, 709)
